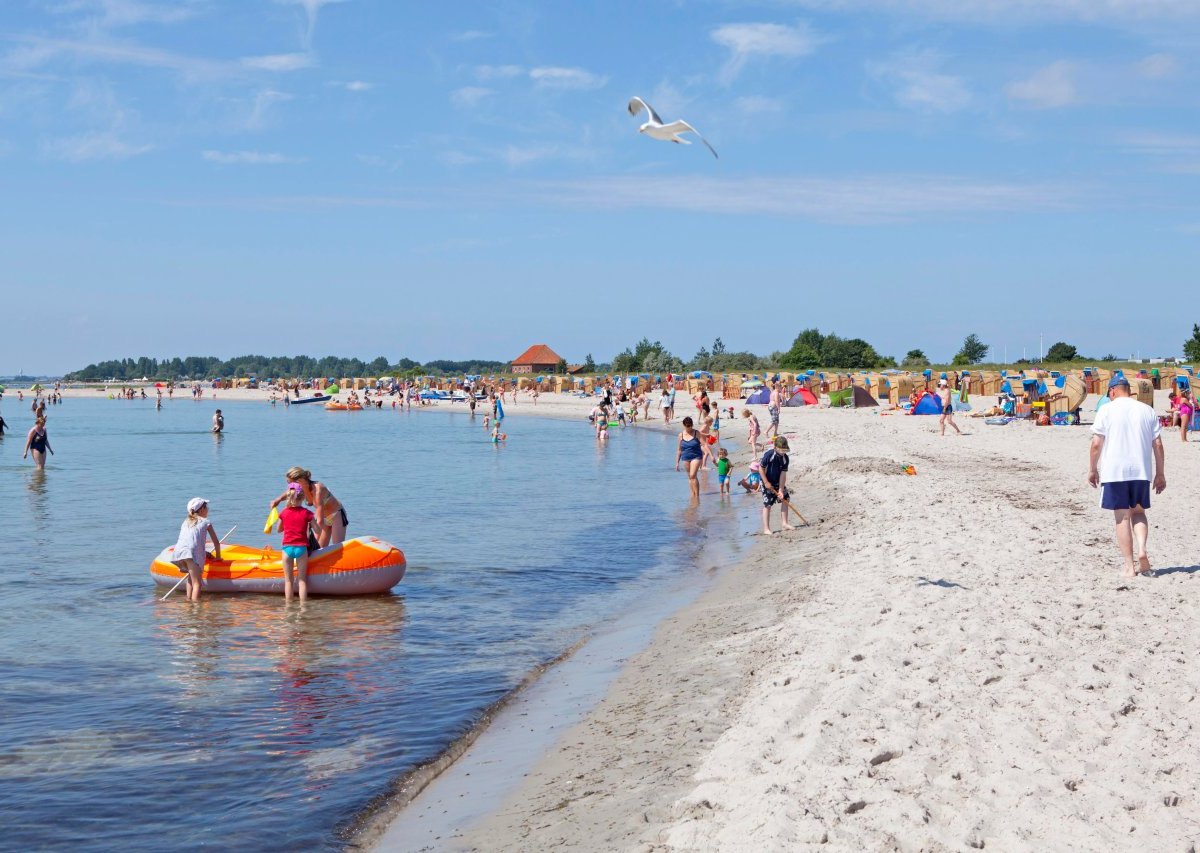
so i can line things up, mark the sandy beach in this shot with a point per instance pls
(941, 662)
(944, 661)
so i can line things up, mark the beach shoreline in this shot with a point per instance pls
(896, 675)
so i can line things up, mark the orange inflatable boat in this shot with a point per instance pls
(342, 407)
(361, 566)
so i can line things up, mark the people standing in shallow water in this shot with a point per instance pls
(189, 552)
(37, 443)
(330, 514)
(297, 523)
(690, 451)
(218, 422)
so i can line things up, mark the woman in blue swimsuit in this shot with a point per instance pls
(38, 442)
(691, 450)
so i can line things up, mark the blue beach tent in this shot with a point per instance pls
(928, 405)
(761, 396)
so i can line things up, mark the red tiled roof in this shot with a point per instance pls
(538, 354)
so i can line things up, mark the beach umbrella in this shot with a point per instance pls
(752, 383)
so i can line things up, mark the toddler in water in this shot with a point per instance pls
(724, 467)
(297, 522)
(189, 553)
(752, 481)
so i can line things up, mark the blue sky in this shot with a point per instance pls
(366, 177)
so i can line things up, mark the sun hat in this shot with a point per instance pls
(1117, 382)
(295, 487)
(754, 466)
(197, 504)
(781, 442)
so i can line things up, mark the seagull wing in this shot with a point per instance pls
(682, 126)
(636, 105)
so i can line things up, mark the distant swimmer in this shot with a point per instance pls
(218, 422)
(38, 442)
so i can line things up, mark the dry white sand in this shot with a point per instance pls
(944, 662)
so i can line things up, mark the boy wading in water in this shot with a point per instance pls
(773, 468)
(1126, 437)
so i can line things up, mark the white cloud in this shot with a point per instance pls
(1175, 153)
(458, 158)
(919, 82)
(758, 105)
(862, 200)
(1158, 66)
(515, 156)
(312, 8)
(754, 41)
(471, 35)
(96, 145)
(552, 77)
(279, 62)
(358, 86)
(260, 110)
(498, 72)
(249, 158)
(34, 53)
(857, 200)
(469, 96)
(123, 13)
(1049, 87)
(1008, 12)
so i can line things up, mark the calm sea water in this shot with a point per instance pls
(130, 723)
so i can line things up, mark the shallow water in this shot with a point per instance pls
(133, 723)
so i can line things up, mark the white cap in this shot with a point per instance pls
(197, 504)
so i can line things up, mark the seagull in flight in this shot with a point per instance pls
(655, 129)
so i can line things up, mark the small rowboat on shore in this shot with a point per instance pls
(323, 398)
(362, 566)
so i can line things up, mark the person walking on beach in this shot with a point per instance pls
(773, 468)
(1126, 437)
(947, 404)
(755, 429)
(189, 552)
(773, 404)
(329, 511)
(691, 450)
(38, 442)
(296, 523)
(1186, 407)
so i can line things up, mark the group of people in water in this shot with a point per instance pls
(303, 530)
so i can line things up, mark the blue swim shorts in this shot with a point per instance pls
(295, 551)
(1126, 494)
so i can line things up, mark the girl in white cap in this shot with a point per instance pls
(189, 553)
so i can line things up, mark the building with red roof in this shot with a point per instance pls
(539, 358)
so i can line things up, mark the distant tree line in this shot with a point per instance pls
(264, 367)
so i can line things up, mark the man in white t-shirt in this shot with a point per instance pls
(1126, 437)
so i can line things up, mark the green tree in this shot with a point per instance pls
(1061, 351)
(973, 351)
(1191, 347)
(800, 357)
(915, 358)
(718, 347)
(589, 364)
(561, 367)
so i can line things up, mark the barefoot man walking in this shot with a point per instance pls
(1126, 436)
